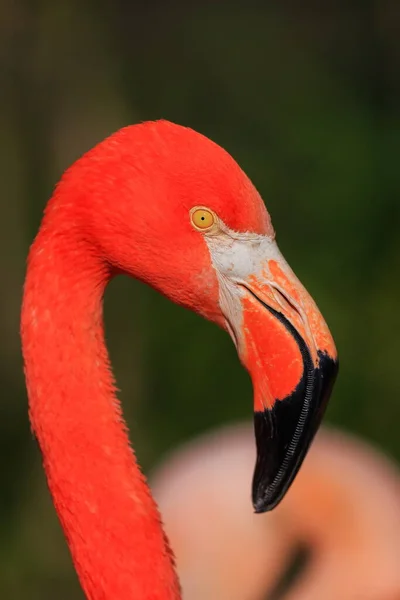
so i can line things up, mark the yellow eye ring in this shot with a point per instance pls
(202, 218)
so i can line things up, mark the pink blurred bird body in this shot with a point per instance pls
(344, 506)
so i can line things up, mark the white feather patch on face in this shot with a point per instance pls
(237, 257)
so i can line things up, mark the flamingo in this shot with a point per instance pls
(166, 205)
(343, 506)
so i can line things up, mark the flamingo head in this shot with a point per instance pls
(170, 207)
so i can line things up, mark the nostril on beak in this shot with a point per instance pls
(285, 302)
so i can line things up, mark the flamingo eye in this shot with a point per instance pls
(202, 218)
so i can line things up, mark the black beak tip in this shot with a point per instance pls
(266, 497)
(284, 434)
(262, 505)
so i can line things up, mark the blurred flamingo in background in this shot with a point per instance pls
(164, 204)
(344, 506)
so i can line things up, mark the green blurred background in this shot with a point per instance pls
(306, 96)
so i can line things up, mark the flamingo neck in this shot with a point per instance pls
(110, 520)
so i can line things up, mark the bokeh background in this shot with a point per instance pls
(306, 96)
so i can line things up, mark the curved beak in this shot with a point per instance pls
(285, 344)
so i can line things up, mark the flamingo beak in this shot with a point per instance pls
(292, 360)
(285, 344)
